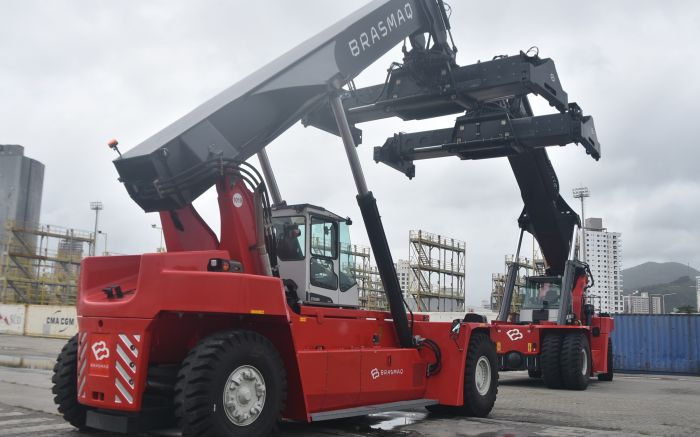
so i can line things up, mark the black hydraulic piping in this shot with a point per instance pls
(567, 281)
(512, 275)
(375, 229)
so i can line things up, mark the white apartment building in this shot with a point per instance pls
(405, 274)
(639, 304)
(604, 255)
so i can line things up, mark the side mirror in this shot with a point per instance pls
(455, 328)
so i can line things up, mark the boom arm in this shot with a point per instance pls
(172, 168)
(176, 165)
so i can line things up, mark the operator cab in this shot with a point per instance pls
(541, 296)
(313, 250)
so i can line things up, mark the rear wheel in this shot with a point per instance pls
(534, 373)
(480, 380)
(609, 375)
(549, 360)
(65, 385)
(575, 361)
(232, 383)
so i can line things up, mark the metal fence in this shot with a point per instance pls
(664, 343)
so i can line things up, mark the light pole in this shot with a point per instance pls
(160, 246)
(97, 207)
(105, 253)
(582, 193)
(663, 300)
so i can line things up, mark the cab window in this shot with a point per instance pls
(541, 293)
(324, 237)
(290, 233)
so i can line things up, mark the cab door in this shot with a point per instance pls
(323, 261)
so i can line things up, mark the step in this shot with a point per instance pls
(371, 409)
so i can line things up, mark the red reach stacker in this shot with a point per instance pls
(556, 333)
(229, 334)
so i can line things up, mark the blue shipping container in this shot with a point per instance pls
(663, 343)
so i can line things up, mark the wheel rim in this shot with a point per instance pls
(584, 362)
(244, 395)
(482, 376)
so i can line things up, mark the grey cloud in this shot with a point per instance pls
(75, 73)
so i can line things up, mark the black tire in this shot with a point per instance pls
(65, 385)
(575, 361)
(443, 410)
(534, 373)
(609, 375)
(549, 360)
(481, 356)
(204, 376)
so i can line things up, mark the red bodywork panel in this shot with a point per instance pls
(185, 230)
(335, 358)
(194, 234)
(238, 229)
(577, 296)
(527, 339)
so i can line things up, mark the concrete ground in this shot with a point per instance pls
(631, 405)
(29, 352)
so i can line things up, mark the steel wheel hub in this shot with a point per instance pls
(244, 395)
(482, 376)
(584, 364)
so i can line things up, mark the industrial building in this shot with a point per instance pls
(697, 287)
(46, 272)
(438, 266)
(369, 284)
(39, 264)
(604, 255)
(21, 186)
(432, 279)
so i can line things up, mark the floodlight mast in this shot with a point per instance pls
(582, 193)
(97, 207)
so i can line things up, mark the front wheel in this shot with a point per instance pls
(232, 383)
(575, 361)
(480, 380)
(549, 360)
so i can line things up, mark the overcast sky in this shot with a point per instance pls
(74, 74)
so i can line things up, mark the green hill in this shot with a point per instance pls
(653, 273)
(676, 280)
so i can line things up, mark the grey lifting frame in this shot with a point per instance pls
(490, 136)
(497, 121)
